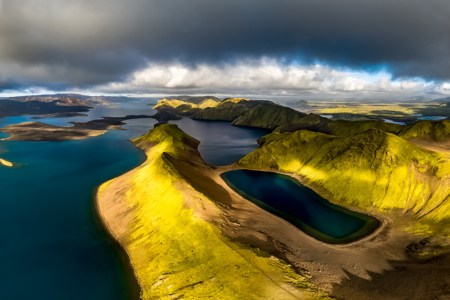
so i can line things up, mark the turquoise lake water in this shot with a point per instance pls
(51, 243)
(301, 206)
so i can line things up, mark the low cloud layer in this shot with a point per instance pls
(271, 77)
(81, 44)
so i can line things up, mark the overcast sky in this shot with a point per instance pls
(293, 48)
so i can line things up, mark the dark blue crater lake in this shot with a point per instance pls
(287, 198)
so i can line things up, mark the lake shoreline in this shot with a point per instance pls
(383, 221)
(368, 226)
(132, 283)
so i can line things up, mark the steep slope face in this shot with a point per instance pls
(194, 99)
(268, 116)
(166, 227)
(174, 109)
(339, 128)
(187, 103)
(373, 169)
(431, 130)
(310, 122)
(225, 111)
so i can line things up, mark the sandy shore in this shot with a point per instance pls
(388, 264)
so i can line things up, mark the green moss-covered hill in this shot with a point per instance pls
(175, 249)
(371, 169)
(432, 130)
(227, 110)
(262, 114)
(268, 115)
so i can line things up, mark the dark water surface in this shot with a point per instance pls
(51, 246)
(221, 143)
(302, 207)
(51, 243)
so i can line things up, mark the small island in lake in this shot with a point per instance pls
(37, 131)
(6, 163)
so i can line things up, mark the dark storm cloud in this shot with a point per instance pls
(82, 43)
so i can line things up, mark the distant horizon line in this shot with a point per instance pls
(287, 98)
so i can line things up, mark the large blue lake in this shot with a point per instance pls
(52, 245)
(301, 206)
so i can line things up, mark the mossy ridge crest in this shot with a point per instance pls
(192, 102)
(175, 252)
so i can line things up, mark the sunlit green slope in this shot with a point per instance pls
(227, 110)
(372, 169)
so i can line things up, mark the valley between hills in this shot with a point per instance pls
(189, 235)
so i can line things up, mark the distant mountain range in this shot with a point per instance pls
(48, 104)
